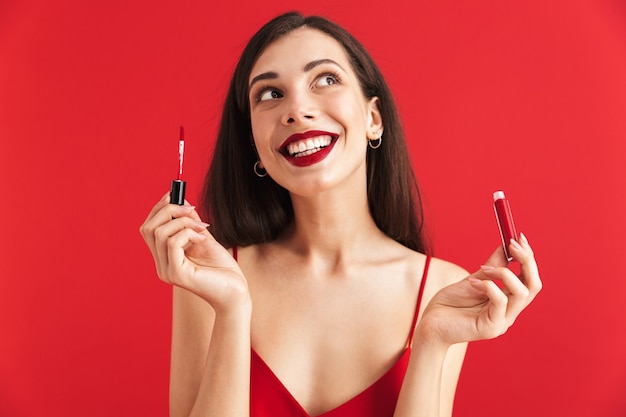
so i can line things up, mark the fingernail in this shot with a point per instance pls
(188, 208)
(203, 224)
(487, 267)
(516, 244)
(522, 237)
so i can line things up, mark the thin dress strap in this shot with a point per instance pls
(235, 252)
(419, 300)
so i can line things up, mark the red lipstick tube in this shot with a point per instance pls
(505, 221)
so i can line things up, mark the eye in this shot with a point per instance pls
(327, 79)
(266, 94)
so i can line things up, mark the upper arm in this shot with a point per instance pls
(192, 325)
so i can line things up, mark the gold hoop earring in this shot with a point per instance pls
(258, 170)
(375, 143)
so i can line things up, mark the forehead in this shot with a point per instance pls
(296, 49)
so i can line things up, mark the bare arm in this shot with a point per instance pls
(210, 359)
(210, 369)
(433, 372)
(421, 390)
(472, 309)
(192, 326)
(450, 377)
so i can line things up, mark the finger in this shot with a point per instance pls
(179, 268)
(157, 213)
(145, 228)
(172, 211)
(529, 272)
(165, 200)
(166, 231)
(497, 258)
(148, 228)
(497, 300)
(508, 278)
(514, 289)
(163, 216)
(191, 211)
(494, 323)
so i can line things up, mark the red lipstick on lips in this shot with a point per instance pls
(303, 161)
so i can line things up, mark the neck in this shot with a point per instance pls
(332, 224)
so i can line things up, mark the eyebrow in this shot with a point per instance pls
(271, 75)
(313, 64)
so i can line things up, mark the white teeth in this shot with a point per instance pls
(308, 146)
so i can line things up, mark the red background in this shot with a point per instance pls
(528, 96)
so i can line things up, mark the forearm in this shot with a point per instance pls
(420, 395)
(225, 386)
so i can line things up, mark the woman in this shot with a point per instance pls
(313, 293)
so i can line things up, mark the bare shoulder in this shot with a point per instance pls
(445, 273)
(441, 273)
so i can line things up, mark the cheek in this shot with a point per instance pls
(259, 131)
(353, 110)
(261, 136)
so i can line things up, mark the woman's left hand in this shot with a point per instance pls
(477, 308)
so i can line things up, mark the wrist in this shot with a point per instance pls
(237, 309)
(428, 337)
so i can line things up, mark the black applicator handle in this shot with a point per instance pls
(177, 192)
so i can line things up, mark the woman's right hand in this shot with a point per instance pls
(186, 255)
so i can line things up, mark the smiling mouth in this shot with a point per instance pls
(308, 146)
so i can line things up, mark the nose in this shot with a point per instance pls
(299, 108)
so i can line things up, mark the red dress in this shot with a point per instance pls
(270, 398)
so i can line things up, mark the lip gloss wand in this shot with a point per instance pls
(177, 191)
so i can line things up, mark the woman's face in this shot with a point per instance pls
(310, 119)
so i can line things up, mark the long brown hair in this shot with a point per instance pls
(245, 209)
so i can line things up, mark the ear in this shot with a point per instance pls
(375, 120)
